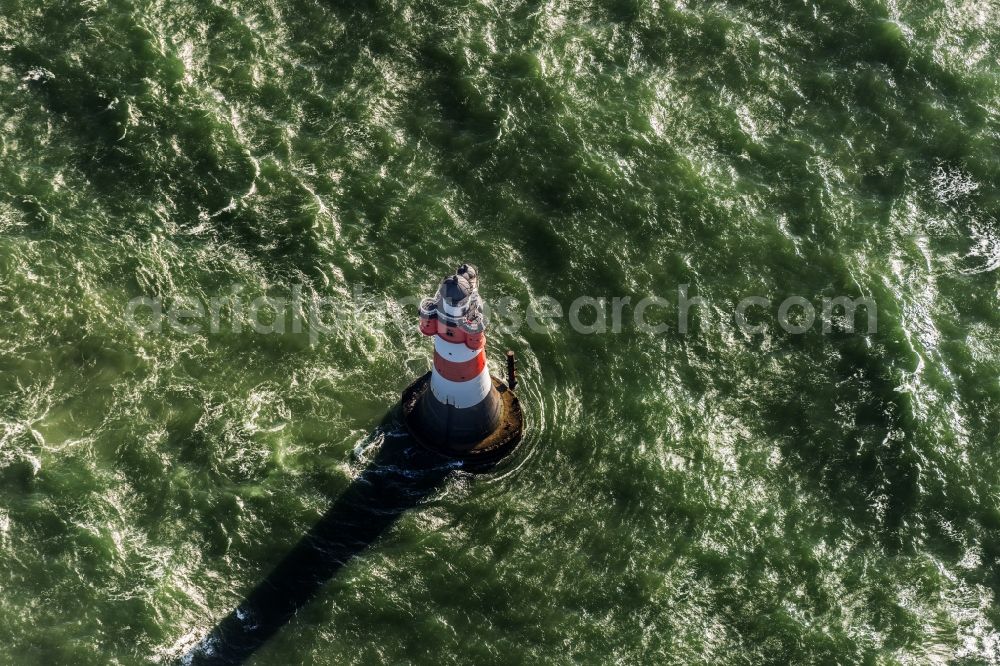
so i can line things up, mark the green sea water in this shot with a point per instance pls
(712, 497)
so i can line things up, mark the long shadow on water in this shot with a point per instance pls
(399, 478)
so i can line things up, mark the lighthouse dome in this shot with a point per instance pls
(455, 289)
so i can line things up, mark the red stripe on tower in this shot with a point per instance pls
(461, 371)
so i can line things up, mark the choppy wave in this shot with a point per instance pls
(712, 497)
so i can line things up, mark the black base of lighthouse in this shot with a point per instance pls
(457, 428)
(480, 436)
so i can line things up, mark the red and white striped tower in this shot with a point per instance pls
(461, 408)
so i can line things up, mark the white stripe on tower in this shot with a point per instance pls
(456, 352)
(462, 394)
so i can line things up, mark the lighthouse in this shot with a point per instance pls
(459, 409)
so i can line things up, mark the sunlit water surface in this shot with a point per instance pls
(710, 497)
